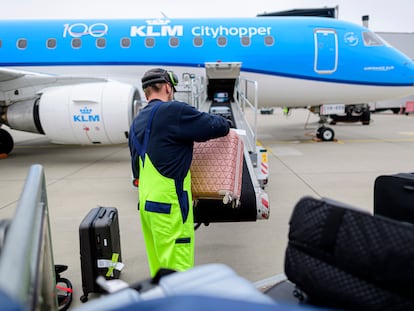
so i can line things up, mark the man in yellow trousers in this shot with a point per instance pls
(161, 144)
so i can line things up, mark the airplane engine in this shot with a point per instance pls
(90, 113)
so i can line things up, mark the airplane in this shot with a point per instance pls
(78, 81)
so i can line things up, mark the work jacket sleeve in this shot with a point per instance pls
(201, 126)
(134, 158)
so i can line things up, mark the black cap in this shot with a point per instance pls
(159, 75)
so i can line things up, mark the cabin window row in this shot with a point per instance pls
(150, 42)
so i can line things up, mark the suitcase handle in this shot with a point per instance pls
(111, 215)
(408, 188)
(102, 213)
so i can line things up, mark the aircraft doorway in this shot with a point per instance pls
(221, 78)
(326, 51)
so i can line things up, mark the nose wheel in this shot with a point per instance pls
(325, 133)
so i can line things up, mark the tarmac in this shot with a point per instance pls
(79, 178)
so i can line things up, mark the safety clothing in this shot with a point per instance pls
(161, 154)
(166, 211)
(167, 219)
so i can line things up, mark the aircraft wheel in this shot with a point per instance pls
(366, 117)
(6, 142)
(325, 133)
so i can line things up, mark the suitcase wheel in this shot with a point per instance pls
(84, 298)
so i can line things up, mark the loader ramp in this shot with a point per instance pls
(225, 96)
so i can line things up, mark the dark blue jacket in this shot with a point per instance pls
(175, 127)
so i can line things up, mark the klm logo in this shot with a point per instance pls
(85, 115)
(157, 31)
(157, 28)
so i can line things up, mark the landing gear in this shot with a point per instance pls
(325, 133)
(353, 113)
(366, 117)
(6, 142)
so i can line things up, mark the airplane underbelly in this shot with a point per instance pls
(274, 91)
(289, 92)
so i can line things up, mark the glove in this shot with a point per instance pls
(230, 122)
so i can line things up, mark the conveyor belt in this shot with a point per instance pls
(207, 211)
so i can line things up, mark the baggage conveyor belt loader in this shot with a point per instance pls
(223, 93)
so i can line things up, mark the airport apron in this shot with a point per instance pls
(166, 212)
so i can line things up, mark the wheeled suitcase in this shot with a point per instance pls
(4, 227)
(100, 248)
(217, 168)
(346, 258)
(394, 196)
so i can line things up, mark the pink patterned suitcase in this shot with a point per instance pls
(217, 167)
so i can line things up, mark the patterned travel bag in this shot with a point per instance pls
(346, 258)
(217, 168)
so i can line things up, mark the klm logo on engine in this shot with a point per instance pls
(157, 28)
(85, 115)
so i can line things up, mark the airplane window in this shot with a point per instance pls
(269, 40)
(101, 43)
(76, 43)
(51, 43)
(22, 44)
(222, 41)
(174, 42)
(371, 39)
(198, 41)
(125, 42)
(245, 41)
(149, 42)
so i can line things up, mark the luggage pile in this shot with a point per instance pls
(342, 257)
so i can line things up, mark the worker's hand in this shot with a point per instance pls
(230, 122)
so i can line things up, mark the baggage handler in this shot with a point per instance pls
(161, 144)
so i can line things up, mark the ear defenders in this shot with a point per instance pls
(159, 75)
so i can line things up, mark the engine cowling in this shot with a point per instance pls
(90, 113)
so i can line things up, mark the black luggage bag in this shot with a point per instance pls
(394, 196)
(100, 248)
(346, 258)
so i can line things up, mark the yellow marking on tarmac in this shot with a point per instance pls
(341, 142)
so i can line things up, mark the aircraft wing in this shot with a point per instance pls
(19, 84)
(9, 74)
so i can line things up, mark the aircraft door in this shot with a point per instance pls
(326, 51)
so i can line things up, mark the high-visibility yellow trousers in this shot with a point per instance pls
(167, 219)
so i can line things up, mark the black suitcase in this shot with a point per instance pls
(100, 248)
(4, 227)
(394, 196)
(346, 258)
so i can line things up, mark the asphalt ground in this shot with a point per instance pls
(79, 178)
